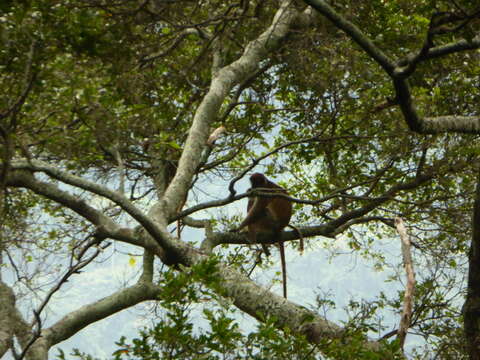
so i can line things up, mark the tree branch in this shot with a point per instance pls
(82, 208)
(28, 83)
(27, 180)
(262, 304)
(105, 227)
(410, 288)
(451, 48)
(471, 308)
(88, 314)
(227, 77)
(431, 125)
(403, 68)
(75, 269)
(354, 32)
(7, 327)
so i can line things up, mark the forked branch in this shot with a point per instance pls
(400, 70)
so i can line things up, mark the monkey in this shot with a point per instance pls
(268, 214)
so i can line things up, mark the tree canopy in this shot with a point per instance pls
(133, 122)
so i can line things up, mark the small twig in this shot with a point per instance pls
(204, 166)
(245, 84)
(316, 138)
(175, 43)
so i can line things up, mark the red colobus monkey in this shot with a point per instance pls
(268, 215)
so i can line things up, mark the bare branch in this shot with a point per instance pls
(121, 169)
(88, 314)
(410, 288)
(80, 206)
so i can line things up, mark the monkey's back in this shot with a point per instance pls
(281, 210)
(276, 214)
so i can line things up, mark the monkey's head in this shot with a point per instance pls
(258, 180)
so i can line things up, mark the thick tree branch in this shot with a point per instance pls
(451, 123)
(147, 266)
(7, 327)
(105, 227)
(471, 308)
(403, 68)
(103, 223)
(405, 321)
(354, 32)
(221, 85)
(27, 180)
(81, 207)
(431, 125)
(265, 238)
(11, 321)
(261, 304)
(88, 314)
(74, 269)
(451, 48)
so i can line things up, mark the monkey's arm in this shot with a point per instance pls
(255, 210)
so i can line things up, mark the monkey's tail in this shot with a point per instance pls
(284, 267)
(301, 246)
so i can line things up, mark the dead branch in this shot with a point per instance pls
(410, 288)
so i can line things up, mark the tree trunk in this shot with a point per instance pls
(471, 309)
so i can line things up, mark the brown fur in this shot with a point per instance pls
(268, 215)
